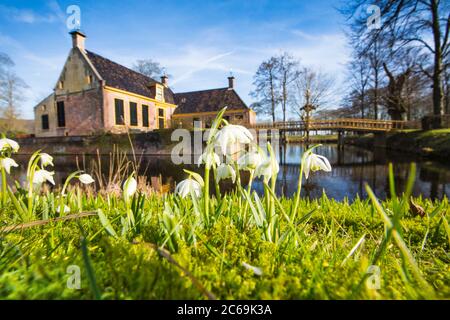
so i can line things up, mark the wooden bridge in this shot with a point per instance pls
(344, 124)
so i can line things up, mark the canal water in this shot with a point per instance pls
(352, 169)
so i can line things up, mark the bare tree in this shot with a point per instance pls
(423, 23)
(288, 73)
(150, 68)
(11, 92)
(394, 96)
(320, 86)
(359, 82)
(266, 82)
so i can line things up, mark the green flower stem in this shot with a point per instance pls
(4, 188)
(297, 194)
(206, 192)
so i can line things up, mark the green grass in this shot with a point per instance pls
(34, 261)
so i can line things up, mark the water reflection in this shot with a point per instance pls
(352, 168)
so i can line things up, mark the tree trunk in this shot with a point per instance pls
(438, 93)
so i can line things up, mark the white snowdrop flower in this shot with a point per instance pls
(225, 171)
(46, 160)
(314, 162)
(209, 158)
(250, 161)
(7, 163)
(42, 176)
(6, 143)
(268, 168)
(129, 187)
(232, 134)
(86, 179)
(185, 187)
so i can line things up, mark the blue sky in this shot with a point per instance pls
(199, 42)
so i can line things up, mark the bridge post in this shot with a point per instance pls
(340, 139)
(379, 140)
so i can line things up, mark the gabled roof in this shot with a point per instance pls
(208, 101)
(123, 78)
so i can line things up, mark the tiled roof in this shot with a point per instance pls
(123, 78)
(208, 101)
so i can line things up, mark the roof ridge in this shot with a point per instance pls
(121, 65)
(206, 90)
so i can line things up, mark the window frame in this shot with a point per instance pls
(134, 119)
(61, 114)
(47, 127)
(159, 117)
(145, 116)
(120, 121)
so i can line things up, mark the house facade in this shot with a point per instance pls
(94, 94)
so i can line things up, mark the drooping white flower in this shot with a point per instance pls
(86, 179)
(6, 143)
(185, 187)
(42, 176)
(232, 134)
(268, 168)
(209, 158)
(250, 161)
(46, 160)
(7, 163)
(315, 162)
(256, 270)
(225, 171)
(129, 187)
(66, 209)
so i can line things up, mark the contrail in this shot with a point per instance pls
(212, 59)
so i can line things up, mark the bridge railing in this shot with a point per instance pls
(343, 123)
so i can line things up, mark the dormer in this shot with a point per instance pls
(159, 92)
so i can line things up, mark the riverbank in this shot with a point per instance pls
(331, 138)
(157, 142)
(431, 144)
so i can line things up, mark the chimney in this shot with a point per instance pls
(78, 38)
(164, 81)
(230, 82)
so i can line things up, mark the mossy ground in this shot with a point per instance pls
(34, 261)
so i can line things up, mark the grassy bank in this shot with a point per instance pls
(324, 262)
(432, 143)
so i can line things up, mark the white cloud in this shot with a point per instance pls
(31, 17)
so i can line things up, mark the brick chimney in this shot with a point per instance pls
(230, 82)
(164, 80)
(78, 38)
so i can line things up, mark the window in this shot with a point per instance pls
(161, 118)
(159, 93)
(61, 85)
(89, 79)
(44, 121)
(119, 111)
(61, 114)
(145, 122)
(133, 114)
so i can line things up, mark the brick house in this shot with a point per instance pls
(94, 94)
